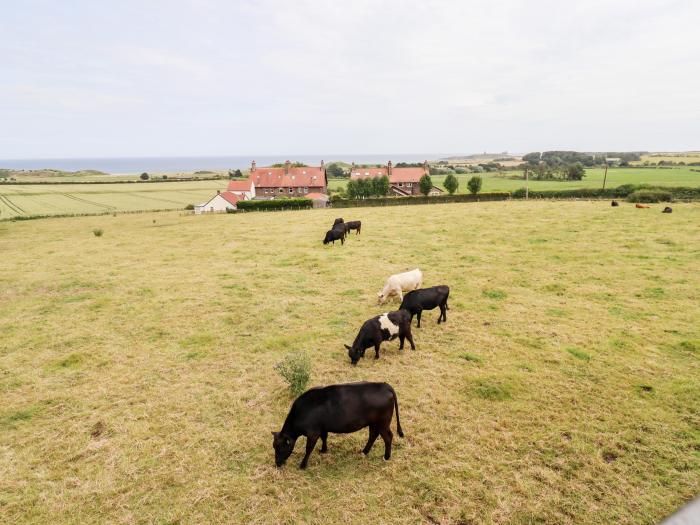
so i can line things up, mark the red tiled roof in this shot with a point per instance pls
(231, 198)
(397, 174)
(307, 176)
(239, 185)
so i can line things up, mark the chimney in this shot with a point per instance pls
(321, 163)
(286, 167)
(252, 166)
(218, 192)
(388, 168)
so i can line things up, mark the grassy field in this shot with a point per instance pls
(594, 179)
(47, 199)
(137, 382)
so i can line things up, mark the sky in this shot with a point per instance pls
(208, 77)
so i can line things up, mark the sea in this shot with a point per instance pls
(127, 165)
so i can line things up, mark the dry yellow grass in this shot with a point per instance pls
(137, 382)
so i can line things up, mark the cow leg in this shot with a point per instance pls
(409, 336)
(373, 433)
(401, 339)
(342, 240)
(324, 443)
(310, 444)
(443, 312)
(376, 350)
(418, 316)
(387, 436)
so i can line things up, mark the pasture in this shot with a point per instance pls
(513, 180)
(58, 199)
(137, 382)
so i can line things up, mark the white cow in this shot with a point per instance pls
(399, 283)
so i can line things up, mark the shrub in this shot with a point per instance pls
(426, 184)
(189, 207)
(474, 184)
(451, 183)
(295, 369)
(144, 176)
(650, 196)
(277, 204)
(97, 232)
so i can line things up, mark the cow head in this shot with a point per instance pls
(381, 298)
(328, 238)
(354, 353)
(283, 445)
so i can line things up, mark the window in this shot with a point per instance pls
(281, 190)
(306, 189)
(291, 190)
(400, 184)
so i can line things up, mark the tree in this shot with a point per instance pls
(144, 176)
(351, 189)
(451, 183)
(382, 186)
(474, 184)
(335, 170)
(426, 184)
(575, 172)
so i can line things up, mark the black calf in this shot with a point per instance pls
(427, 299)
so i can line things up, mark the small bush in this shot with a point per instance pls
(189, 207)
(650, 196)
(97, 232)
(144, 176)
(295, 369)
(474, 184)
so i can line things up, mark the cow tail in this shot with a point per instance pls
(398, 421)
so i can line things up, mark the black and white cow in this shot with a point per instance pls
(383, 327)
(427, 299)
(340, 409)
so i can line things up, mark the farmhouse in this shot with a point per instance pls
(402, 181)
(220, 202)
(289, 181)
(242, 188)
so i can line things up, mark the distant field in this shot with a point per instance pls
(137, 382)
(693, 156)
(83, 198)
(593, 179)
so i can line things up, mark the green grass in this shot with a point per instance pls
(506, 181)
(137, 379)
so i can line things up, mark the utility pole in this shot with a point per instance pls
(605, 177)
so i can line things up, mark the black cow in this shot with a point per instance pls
(667, 209)
(339, 220)
(338, 233)
(384, 327)
(614, 203)
(340, 409)
(426, 299)
(353, 225)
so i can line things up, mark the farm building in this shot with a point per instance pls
(320, 199)
(403, 181)
(220, 202)
(289, 181)
(242, 188)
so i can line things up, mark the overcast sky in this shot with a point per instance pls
(209, 77)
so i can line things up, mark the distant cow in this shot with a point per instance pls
(641, 206)
(427, 299)
(614, 203)
(340, 409)
(399, 283)
(353, 225)
(383, 327)
(336, 234)
(667, 209)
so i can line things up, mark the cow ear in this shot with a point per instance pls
(274, 434)
(346, 346)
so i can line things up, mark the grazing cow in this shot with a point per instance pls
(383, 327)
(353, 225)
(336, 234)
(339, 220)
(667, 209)
(340, 409)
(641, 206)
(614, 204)
(399, 283)
(427, 299)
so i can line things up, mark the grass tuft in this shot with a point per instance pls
(494, 294)
(578, 353)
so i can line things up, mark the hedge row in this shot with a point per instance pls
(650, 196)
(598, 193)
(277, 204)
(418, 199)
(150, 181)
